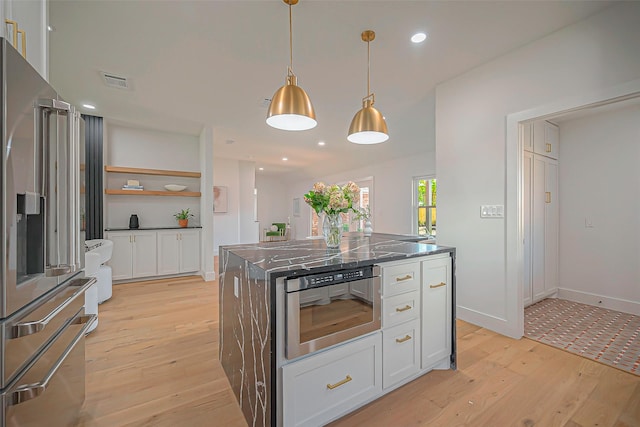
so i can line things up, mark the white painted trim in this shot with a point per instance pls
(496, 324)
(514, 191)
(208, 276)
(596, 300)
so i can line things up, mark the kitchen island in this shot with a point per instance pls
(413, 304)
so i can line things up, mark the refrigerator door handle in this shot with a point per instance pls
(27, 392)
(30, 328)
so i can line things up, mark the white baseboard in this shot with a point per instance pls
(626, 306)
(208, 276)
(493, 323)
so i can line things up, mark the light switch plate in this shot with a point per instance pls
(492, 211)
(236, 286)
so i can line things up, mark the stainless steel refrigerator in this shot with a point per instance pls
(42, 320)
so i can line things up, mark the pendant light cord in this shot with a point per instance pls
(290, 42)
(368, 68)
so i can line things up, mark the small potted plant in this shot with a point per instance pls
(183, 217)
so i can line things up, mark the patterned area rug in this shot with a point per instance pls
(607, 336)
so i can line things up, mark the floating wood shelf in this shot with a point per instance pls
(185, 174)
(153, 193)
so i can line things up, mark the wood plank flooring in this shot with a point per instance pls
(153, 361)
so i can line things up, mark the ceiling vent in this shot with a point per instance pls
(112, 80)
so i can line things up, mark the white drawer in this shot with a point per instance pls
(400, 308)
(400, 278)
(319, 388)
(401, 352)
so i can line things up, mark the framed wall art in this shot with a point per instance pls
(220, 203)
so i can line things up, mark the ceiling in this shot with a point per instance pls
(199, 63)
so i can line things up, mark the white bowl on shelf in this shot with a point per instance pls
(175, 187)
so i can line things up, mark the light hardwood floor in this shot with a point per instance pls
(153, 361)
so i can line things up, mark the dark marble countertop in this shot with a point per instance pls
(168, 227)
(296, 257)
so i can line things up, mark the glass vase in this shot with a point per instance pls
(332, 229)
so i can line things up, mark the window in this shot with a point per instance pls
(424, 206)
(366, 189)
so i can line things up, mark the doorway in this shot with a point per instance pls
(514, 207)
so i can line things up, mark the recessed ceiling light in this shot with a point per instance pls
(260, 169)
(89, 106)
(418, 37)
(284, 159)
(321, 143)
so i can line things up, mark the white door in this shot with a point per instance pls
(168, 252)
(551, 227)
(538, 227)
(144, 254)
(121, 267)
(190, 251)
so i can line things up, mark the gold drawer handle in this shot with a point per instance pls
(547, 197)
(339, 383)
(439, 285)
(405, 308)
(402, 279)
(24, 43)
(401, 340)
(15, 31)
(548, 148)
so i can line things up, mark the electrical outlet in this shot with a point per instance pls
(236, 287)
(492, 211)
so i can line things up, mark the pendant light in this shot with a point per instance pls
(368, 125)
(290, 107)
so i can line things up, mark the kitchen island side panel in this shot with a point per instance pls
(245, 335)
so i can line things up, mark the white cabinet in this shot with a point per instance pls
(541, 217)
(321, 387)
(28, 34)
(400, 308)
(134, 254)
(546, 137)
(400, 277)
(178, 251)
(436, 310)
(401, 347)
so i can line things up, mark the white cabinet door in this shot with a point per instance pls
(31, 18)
(399, 278)
(324, 386)
(546, 137)
(538, 226)
(168, 252)
(144, 254)
(189, 251)
(436, 311)
(400, 308)
(551, 219)
(121, 264)
(544, 228)
(401, 352)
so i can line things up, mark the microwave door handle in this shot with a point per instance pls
(27, 392)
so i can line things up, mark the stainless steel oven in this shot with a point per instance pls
(328, 308)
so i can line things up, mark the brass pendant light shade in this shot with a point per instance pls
(290, 107)
(368, 125)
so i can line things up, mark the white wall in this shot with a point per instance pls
(238, 224)
(471, 112)
(273, 201)
(142, 148)
(391, 198)
(600, 183)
